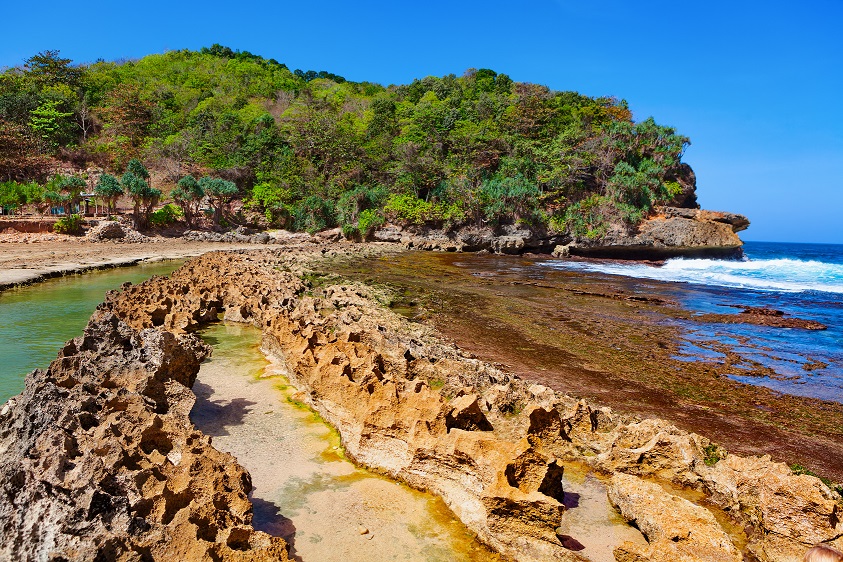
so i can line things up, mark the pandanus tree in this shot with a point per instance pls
(188, 195)
(143, 197)
(109, 190)
(73, 186)
(220, 192)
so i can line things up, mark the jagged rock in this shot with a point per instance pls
(671, 232)
(465, 413)
(391, 388)
(332, 235)
(792, 512)
(675, 528)
(545, 423)
(561, 251)
(100, 461)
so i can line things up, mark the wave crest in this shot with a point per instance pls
(781, 274)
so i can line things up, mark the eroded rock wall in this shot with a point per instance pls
(99, 460)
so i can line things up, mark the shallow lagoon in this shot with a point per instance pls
(36, 320)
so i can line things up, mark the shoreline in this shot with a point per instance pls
(28, 263)
(586, 336)
(422, 411)
(463, 332)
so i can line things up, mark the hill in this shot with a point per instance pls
(310, 150)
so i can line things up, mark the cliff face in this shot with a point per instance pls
(101, 447)
(671, 232)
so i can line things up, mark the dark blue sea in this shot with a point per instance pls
(802, 280)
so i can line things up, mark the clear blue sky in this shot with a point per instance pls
(755, 85)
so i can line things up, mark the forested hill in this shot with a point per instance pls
(310, 149)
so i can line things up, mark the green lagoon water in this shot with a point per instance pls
(37, 320)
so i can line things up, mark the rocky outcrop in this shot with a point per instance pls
(507, 239)
(675, 528)
(106, 230)
(672, 232)
(240, 235)
(100, 461)
(493, 446)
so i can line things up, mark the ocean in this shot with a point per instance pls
(801, 280)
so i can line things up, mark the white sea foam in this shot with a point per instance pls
(787, 275)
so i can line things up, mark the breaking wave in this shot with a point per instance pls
(782, 274)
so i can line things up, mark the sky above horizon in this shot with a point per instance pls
(751, 83)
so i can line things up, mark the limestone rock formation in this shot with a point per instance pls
(106, 230)
(100, 461)
(671, 232)
(406, 404)
(675, 528)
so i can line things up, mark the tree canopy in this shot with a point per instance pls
(310, 149)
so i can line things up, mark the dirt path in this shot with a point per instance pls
(29, 258)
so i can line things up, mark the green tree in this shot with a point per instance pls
(49, 68)
(144, 198)
(109, 190)
(220, 192)
(137, 168)
(55, 199)
(188, 195)
(12, 196)
(52, 125)
(73, 186)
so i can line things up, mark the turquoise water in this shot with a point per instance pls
(35, 321)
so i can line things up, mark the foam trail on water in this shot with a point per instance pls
(785, 275)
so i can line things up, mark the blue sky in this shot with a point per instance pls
(755, 85)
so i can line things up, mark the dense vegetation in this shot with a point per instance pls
(310, 150)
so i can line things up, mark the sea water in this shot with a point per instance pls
(801, 280)
(36, 321)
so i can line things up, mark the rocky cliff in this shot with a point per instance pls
(493, 446)
(670, 232)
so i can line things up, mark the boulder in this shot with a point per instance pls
(672, 231)
(791, 512)
(675, 528)
(106, 230)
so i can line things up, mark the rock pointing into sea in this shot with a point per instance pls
(671, 232)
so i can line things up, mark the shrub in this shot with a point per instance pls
(166, 215)
(313, 214)
(588, 218)
(409, 209)
(70, 224)
(368, 221)
(502, 198)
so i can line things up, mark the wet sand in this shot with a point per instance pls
(304, 489)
